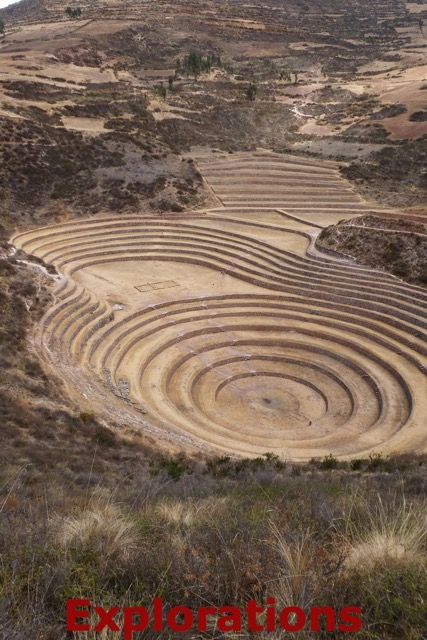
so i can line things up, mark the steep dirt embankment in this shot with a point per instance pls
(398, 246)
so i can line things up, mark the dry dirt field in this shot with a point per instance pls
(227, 329)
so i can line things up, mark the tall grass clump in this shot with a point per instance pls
(385, 569)
(296, 568)
(104, 529)
(391, 532)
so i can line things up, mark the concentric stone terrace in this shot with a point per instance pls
(229, 330)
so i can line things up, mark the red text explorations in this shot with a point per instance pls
(254, 618)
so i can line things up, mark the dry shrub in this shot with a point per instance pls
(184, 519)
(105, 634)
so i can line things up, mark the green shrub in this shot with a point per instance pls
(356, 464)
(329, 462)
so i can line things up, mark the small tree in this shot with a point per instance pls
(421, 24)
(2, 27)
(251, 91)
(285, 74)
(170, 81)
(73, 13)
(161, 90)
(195, 64)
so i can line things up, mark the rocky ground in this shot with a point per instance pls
(396, 175)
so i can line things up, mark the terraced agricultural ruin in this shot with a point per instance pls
(229, 329)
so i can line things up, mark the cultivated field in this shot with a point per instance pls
(227, 329)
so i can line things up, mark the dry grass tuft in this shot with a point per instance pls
(105, 634)
(184, 514)
(294, 586)
(396, 533)
(104, 529)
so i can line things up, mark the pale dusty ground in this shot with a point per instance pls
(413, 7)
(90, 125)
(312, 128)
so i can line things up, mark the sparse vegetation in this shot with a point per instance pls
(285, 74)
(161, 90)
(418, 116)
(196, 63)
(394, 175)
(403, 254)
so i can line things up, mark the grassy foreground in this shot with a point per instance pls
(216, 534)
(87, 511)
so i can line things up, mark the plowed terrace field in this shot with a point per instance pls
(229, 330)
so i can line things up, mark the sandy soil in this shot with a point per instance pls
(89, 125)
(414, 7)
(313, 128)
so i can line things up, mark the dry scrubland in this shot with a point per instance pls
(220, 534)
(177, 329)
